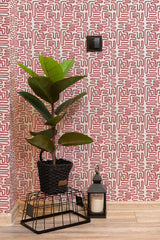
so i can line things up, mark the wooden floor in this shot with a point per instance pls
(134, 221)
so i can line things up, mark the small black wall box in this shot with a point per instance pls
(94, 43)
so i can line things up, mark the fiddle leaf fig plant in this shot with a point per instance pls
(48, 88)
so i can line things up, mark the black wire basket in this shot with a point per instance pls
(43, 213)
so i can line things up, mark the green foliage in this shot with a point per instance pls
(48, 88)
(67, 103)
(66, 82)
(55, 120)
(33, 74)
(66, 66)
(74, 138)
(44, 88)
(37, 104)
(47, 132)
(42, 142)
(51, 68)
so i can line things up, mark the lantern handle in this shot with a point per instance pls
(97, 169)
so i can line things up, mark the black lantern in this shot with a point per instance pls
(97, 197)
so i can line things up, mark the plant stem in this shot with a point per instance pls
(53, 137)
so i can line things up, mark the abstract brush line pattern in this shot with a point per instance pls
(121, 108)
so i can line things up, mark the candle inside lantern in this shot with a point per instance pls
(97, 202)
(97, 197)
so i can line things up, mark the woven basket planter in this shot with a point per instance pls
(54, 178)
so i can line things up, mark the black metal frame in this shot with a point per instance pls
(71, 203)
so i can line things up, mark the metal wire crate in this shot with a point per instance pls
(44, 213)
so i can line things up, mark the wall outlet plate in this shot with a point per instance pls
(94, 43)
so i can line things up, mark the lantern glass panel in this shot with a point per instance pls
(97, 202)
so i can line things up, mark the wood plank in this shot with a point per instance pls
(139, 222)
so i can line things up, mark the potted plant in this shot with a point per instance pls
(53, 174)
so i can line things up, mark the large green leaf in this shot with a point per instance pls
(68, 103)
(51, 68)
(28, 70)
(37, 104)
(44, 88)
(42, 142)
(55, 120)
(74, 138)
(47, 132)
(66, 66)
(66, 82)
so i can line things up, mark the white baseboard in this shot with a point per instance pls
(9, 218)
(119, 206)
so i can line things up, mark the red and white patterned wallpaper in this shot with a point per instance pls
(121, 109)
(8, 186)
(4, 110)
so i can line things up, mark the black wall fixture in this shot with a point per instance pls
(94, 43)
